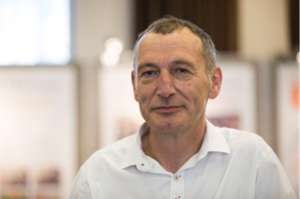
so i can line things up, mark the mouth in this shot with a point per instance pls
(167, 109)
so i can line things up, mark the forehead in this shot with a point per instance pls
(181, 41)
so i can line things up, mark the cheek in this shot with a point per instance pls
(190, 91)
(142, 100)
(143, 96)
(146, 90)
(196, 93)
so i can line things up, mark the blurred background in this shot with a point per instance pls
(65, 86)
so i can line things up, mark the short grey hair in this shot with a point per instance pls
(168, 24)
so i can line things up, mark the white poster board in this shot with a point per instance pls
(235, 106)
(119, 112)
(287, 91)
(37, 132)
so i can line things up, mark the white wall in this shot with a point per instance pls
(95, 21)
(263, 28)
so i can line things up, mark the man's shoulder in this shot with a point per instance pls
(232, 135)
(245, 143)
(119, 145)
(114, 153)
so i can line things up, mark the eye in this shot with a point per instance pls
(149, 73)
(181, 73)
(148, 76)
(181, 70)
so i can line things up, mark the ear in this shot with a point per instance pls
(134, 86)
(215, 76)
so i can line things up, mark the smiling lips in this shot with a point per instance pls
(167, 109)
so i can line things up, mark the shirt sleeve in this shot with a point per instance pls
(272, 181)
(80, 188)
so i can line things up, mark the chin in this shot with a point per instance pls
(171, 127)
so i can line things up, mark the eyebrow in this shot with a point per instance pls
(176, 62)
(183, 62)
(148, 64)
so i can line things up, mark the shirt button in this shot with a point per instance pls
(176, 177)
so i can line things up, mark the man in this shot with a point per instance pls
(176, 153)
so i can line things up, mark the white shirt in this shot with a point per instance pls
(231, 164)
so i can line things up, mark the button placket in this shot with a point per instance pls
(178, 197)
(177, 186)
(176, 177)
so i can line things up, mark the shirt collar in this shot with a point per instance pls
(135, 154)
(214, 141)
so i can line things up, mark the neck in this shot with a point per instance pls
(173, 150)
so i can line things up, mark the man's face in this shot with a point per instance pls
(170, 82)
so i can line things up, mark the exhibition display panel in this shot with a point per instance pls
(38, 152)
(287, 120)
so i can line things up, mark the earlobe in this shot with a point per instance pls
(134, 86)
(216, 81)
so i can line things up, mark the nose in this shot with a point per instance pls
(165, 84)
